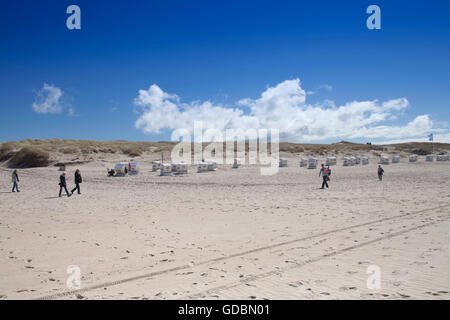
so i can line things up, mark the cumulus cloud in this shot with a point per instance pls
(282, 107)
(325, 86)
(437, 137)
(48, 100)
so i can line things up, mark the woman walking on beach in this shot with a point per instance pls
(78, 180)
(62, 184)
(324, 173)
(380, 172)
(15, 180)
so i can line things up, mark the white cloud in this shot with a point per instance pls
(283, 107)
(326, 87)
(437, 137)
(48, 100)
(71, 112)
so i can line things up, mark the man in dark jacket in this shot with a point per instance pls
(78, 180)
(62, 184)
(15, 180)
(380, 173)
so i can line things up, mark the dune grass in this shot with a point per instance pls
(36, 152)
(30, 157)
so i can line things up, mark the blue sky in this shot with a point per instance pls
(213, 54)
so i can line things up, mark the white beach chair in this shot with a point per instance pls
(134, 168)
(173, 166)
(283, 162)
(331, 161)
(384, 160)
(202, 167)
(303, 162)
(312, 163)
(121, 168)
(156, 165)
(236, 163)
(347, 162)
(179, 168)
(166, 169)
(212, 165)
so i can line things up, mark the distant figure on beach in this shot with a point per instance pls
(329, 172)
(324, 173)
(62, 184)
(111, 172)
(380, 172)
(15, 180)
(78, 180)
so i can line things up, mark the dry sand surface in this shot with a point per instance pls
(229, 234)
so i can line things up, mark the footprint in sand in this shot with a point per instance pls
(347, 288)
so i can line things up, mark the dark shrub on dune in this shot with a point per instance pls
(69, 150)
(5, 155)
(132, 151)
(29, 157)
(6, 151)
(421, 152)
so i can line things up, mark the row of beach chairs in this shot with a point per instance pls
(311, 163)
(179, 168)
(414, 158)
(167, 169)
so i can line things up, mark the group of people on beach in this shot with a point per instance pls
(62, 182)
(325, 172)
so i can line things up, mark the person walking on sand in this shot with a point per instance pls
(380, 172)
(62, 184)
(78, 180)
(15, 180)
(324, 173)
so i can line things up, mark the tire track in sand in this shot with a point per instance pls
(247, 252)
(251, 278)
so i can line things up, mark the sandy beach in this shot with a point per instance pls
(229, 234)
